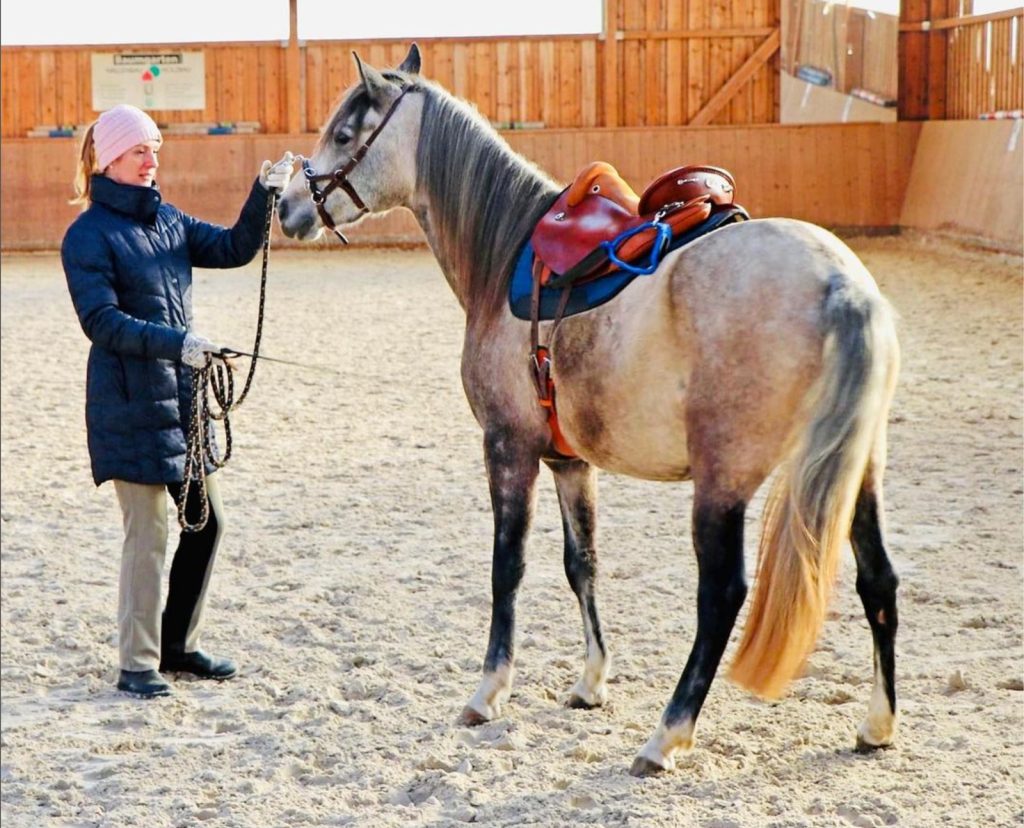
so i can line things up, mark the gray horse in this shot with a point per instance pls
(763, 346)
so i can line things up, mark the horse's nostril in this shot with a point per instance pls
(282, 210)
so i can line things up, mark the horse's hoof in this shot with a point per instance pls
(579, 703)
(471, 718)
(642, 766)
(863, 746)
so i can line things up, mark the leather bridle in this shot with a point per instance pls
(339, 178)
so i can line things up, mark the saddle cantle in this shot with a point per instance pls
(686, 183)
(598, 223)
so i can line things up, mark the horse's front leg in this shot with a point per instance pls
(512, 475)
(721, 590)
(576, 483)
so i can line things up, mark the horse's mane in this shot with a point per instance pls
(484, 197)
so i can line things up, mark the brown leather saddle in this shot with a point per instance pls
(598, 223)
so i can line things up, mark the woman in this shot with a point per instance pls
(128, 259)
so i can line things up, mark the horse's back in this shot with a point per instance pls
(785, 255)
(753, 292)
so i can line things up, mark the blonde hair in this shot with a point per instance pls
(85, 170)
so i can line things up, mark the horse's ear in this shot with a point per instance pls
(376, 84)
(411, 64)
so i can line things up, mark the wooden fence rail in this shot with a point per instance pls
(955, 67)
(985, 67)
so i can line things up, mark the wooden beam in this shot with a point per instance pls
(761, 55)
(702, 34)
(957, 22)
(922, 61)
(610, 64)
(294, 87)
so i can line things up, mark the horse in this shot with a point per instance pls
(762, 349)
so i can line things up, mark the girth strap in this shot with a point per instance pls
(540, 358)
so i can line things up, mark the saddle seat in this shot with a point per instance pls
(574, 237)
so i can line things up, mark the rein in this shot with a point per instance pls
(339, 178)
(199, 445)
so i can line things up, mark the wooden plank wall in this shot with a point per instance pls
(987, 154)
(780, 170)
(660, 63)
(659, 66)
(52, 85)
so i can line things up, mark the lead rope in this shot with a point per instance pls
(201, 442)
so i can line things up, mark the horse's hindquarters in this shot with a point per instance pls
(706, 362)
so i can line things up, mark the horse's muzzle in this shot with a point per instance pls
(297, 218)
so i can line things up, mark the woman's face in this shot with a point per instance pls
(137, 166)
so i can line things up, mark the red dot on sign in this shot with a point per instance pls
(147, 75)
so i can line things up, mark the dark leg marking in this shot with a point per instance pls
(876, 585)
(512, 474)
(721, 590)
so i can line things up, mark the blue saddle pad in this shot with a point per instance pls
(595, 292)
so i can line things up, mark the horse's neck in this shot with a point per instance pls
(456, 280)
(476, 202)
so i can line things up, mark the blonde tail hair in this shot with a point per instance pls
(810, 506)
(85, 169)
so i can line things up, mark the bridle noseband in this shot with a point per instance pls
(339, 178)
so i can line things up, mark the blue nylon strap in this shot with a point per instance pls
(664, 236)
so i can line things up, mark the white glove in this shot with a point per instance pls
(195, 350)
(276, 176)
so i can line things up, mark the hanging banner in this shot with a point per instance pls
(157, 80)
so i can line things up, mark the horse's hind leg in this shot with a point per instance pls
(512, 474)
(576, 483)
(721, 590)
(876, 585)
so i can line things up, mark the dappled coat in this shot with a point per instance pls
(128, 260)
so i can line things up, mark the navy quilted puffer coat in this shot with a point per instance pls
(128, 260)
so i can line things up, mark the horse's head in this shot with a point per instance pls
(365, 160)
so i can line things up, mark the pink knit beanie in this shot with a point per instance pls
(118, 130)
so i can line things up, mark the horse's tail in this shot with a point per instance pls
(810, 506)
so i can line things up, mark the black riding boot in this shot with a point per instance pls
(190, 568)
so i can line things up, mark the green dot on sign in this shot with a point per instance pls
(155, 70)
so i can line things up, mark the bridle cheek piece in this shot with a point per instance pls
(339, 178)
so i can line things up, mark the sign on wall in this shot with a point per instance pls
(157, 80)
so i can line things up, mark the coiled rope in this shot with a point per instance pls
(200, 445)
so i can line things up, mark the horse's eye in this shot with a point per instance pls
(342, 137)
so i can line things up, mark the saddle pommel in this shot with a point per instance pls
(602, 179)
